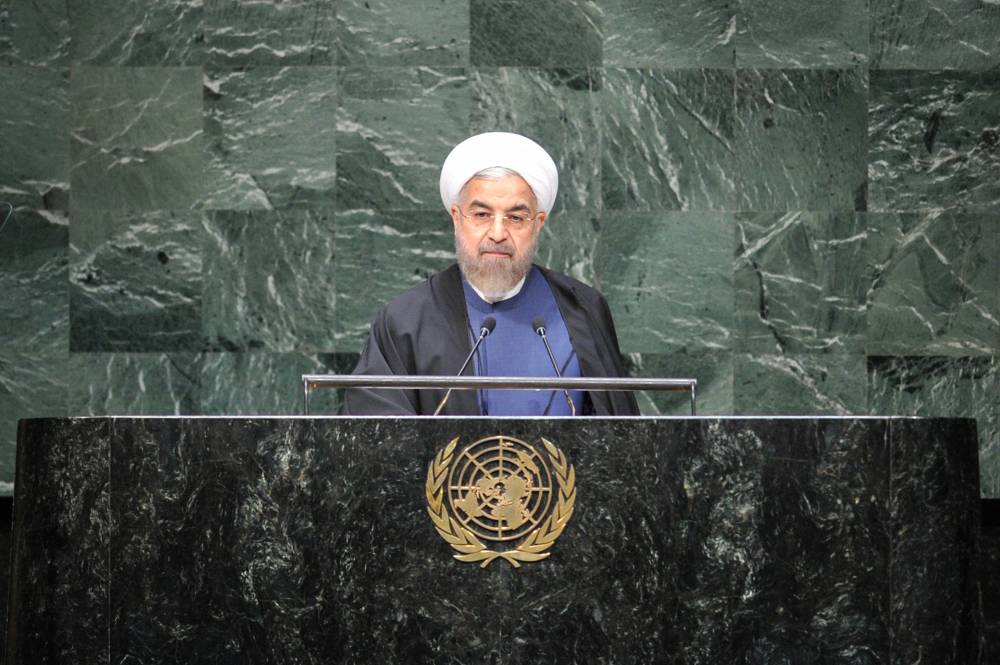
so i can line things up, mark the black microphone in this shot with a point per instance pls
(539, 327)
(489, 323)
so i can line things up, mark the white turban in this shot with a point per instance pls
(512, 151)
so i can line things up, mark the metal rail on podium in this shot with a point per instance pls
(311, 382)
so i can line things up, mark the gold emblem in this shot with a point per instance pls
(500, 489)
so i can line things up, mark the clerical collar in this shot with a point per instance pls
(503, 296)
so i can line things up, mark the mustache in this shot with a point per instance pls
(501, 247)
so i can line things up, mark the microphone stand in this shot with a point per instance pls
(539, 326)
(489, 323)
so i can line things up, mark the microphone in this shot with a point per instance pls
(539, 327)
(489, 323)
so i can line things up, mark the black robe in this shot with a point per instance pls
(426, 331)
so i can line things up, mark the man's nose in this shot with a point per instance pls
(497, 230)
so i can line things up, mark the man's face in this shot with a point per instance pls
(497, 254)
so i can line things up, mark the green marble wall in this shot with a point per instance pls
(798, 203)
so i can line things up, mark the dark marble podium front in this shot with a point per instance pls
(307, 540)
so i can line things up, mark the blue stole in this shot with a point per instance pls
(514, 349)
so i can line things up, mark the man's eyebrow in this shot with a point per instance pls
(519, 207)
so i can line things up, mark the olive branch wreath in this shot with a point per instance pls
(535, 545)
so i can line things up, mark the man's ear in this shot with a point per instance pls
(455, 214)
(542, 216)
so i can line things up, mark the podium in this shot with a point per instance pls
(309, 540)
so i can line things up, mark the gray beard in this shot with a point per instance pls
(492, 276)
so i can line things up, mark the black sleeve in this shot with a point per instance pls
(624, 403)
(381, 356)
(611, 336)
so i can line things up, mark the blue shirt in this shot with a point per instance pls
(514, 349)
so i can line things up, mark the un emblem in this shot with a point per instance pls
(501, 490)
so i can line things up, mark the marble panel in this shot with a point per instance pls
(840, 594)
(800, 34)
(692, 540)
(270, 32)
(269, 280)
(558, 108)
(682, 33)
(395, 126)
(136, 32)
(801, 139)
(34, 166)
(934, 282)
(270, 136)
(382, 32)
(934, 141)
(140, 384)
(934, 34)
(268, 383)
(137, 138)
(669, 141)
(164, 495)
(944, 386)
(34, 33)
(32, 385)
(136, 281)
(379, 256)
(937, 491)
(798, 286)
(825, 501)
(739, 584)
(557, 33)
(568, 243)
(34, 308)
(799, 384)
(668, 279)
(319, 569)
(71, 470)
(712, 369)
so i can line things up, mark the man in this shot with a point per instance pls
(499, 189)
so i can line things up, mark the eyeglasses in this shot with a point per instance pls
(512, 220)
